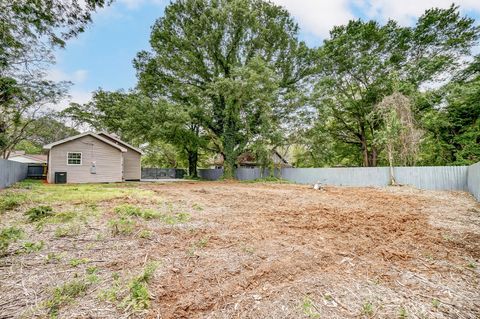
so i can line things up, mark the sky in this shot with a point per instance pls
(102, 56)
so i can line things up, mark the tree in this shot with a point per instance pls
(452, 121)
(399, 133)
(235, 66)
(29, 30)
(362, 61)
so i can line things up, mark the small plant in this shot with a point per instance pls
(197, 207)
(145, 234)
(31, 247)
(7, 236)
(178, 218)
(328, 297)
(309, 308)
(402, 313)
(121, 226)
(9, 201)
(53, 257)
(38, 213)
(67, 231)
(130, 210)
(63, 217)
(78, 261)
(435, 303)
(139, 296)
(202, 243)
(472, 265)
(367, 309)
(65, 294)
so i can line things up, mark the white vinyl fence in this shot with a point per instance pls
(473, 181)
(11, 172)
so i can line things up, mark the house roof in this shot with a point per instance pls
(72, 138)
(113, 137)
(29, 158)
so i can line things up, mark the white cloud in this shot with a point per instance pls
(77, 77)
(318, 16)
(134, 4)
(75, 96)
(406, 11)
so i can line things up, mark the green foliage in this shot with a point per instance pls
(367, 309)
(31, 247)
(65, 294)
(145, 234)
(234, 68)
(9, 201)
(38, 213)
(130, 210)
(75, 262)
(9, 235)
(121, 226)
(139, 296)
(309, 308)
(72, 230)
(269, 179)
(388, 57)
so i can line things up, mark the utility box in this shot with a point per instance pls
(60, 177)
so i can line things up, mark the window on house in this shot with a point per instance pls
(74, 159)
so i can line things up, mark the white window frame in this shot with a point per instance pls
(81, 158)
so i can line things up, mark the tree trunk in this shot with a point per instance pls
(390, 162)
(229, 166)
(192, 163)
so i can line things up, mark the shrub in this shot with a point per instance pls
(139, 296)
(7, 236)
(122, 226)
(65, 294)
(130, 210)
(38, 213)
(31, 247)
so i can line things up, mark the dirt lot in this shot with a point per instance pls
(241, 250)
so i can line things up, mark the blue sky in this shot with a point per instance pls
(102, 56)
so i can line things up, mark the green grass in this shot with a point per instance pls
(138, 295)
(31, 247)
(11, 200)
(131, 210)
(65, 294)
(8, 236)
(269, 179)
(38, 213)
(309, 308)
(121, 226)
(81, 193)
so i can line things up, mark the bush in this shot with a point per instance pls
(7, 236)
(9, 201)
(130, 210)
(38, 213)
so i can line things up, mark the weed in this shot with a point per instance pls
(309, 308)
(145, 234)
(10, 200)
(9, 235)
(249, 250)
(178, 218)
(139, 296)
(53, 257)
(31, 247)
(121, 226)
(63, 217)
(402, 313)
(472, 265)
(38, 213)
(92, 278)
(197, 207)
(367, 309)
(91, 270)
(130, 210)
(78, 261)
(328, 297)
(435, 303)
(65, 294)
(269, 179)
(67, 231)
(202, 243)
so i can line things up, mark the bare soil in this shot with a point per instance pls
(274, 251)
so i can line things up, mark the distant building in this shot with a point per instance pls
(20, 156)
(248, 160)
(92, 158)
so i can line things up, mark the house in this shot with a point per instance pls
(248, 160)
(20, 156)
(92, 158)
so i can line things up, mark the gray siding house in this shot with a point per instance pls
(91, 158)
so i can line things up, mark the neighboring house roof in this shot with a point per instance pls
(72, 138)
(115, 138)
(29, 158)
(248, 158)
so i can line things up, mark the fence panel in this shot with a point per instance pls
(433, 177)
(473, 180)
(11, 172)
(211, 174)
